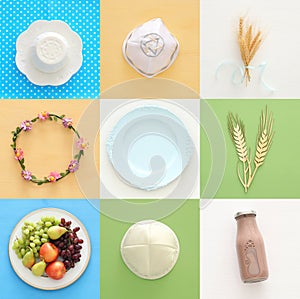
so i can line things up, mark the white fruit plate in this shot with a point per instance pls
(46, 283)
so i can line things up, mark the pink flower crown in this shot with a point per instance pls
(53, 176)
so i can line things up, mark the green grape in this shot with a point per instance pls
(34, 234)
(37, 241)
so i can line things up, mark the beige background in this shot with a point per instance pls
(48, 147)
(118, 18)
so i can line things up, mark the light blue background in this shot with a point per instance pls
(83, 16)
(87, 286)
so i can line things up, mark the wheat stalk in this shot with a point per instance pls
(249, 42)
(237, 133)
(263, 143)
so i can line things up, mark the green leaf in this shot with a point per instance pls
(76, 156)
(22, 161)
(13, 146)
(34, 177)
(34, 120)
(55, 118)
(50, 118)
(23, 166)
(62, 116)
(40, 183)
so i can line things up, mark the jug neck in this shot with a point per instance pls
(249, 220)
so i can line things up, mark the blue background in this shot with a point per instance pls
(87, 286)
(83, 16)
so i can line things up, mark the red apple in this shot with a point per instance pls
(48, 252)
(56, 270)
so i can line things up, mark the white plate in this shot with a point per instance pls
(46, 283)
(149, 147)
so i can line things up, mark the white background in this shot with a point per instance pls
(279, 223)
(280, 22)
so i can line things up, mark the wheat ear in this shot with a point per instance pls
(237, 132)
(249, 42)
(263, 142)
(264, 137)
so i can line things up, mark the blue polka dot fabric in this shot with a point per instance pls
(83, 16)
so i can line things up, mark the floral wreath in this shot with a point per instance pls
(54, 176)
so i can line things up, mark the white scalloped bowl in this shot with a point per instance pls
(49, 53)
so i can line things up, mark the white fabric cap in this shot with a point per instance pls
(150, 249)
(150, 48)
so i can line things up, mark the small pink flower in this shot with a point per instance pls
(43, 115)
(27, 175)
(19, 154)
(73, 166)
(82, 144)
(67, 122)
(26, 125)
(53, 176)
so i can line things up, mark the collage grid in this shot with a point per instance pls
(52, 182)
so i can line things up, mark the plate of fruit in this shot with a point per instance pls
(49, 249)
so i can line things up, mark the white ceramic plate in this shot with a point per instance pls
(46, 283)
(149, 147)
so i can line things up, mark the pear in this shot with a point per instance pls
(38, 269)
(55, 232)
(28, 259)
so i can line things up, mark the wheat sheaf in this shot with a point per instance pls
(250, 40)
(263, 144)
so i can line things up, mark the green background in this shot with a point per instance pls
(279, 176)
(118, 282)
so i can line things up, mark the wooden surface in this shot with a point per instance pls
(118, 18)
(48, 147)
